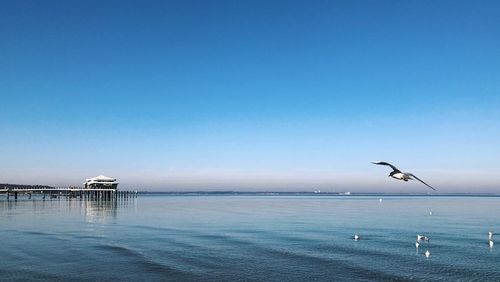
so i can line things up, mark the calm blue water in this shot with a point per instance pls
(249, 238)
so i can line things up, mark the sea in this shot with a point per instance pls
(176, 237)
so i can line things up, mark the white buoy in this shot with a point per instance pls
(416, 245)
(356, 237)
(490, 235)
(490, 243)
(427, 254)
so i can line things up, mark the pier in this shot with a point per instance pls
(13, 191)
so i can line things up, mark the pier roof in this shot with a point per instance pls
(102, 178)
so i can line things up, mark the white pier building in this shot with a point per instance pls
(101, 182)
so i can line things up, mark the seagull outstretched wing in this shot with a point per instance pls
(387, 164)
(413, 175)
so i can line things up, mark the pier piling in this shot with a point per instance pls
(101, 194)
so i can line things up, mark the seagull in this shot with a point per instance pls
(422, 238)
(405, 176)
(490, 235)
(356, 237)
(490, 243)
(427, 254)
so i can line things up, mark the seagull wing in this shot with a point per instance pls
(413, 175)
(387, 164)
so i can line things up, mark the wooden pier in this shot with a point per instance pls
(16, 191)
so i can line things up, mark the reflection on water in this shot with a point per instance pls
(98, 211)
(91, 210)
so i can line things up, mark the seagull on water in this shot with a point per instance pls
(422, 238)
(356, 237)
(427, 254)
(405, 176)
(490, 235)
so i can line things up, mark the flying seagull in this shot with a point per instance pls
(405, 176)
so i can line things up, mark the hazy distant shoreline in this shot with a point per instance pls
(6, 186)
(339, 194)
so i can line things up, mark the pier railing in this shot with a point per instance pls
(68, 192)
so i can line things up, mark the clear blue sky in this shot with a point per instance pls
(251, 95)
